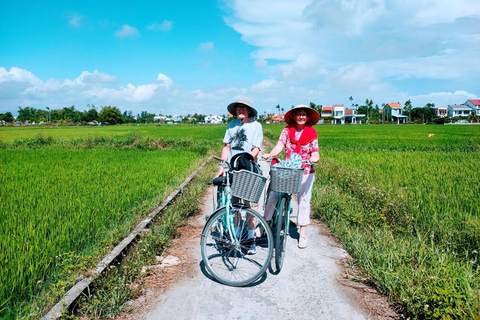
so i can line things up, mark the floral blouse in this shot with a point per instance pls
(305, 150)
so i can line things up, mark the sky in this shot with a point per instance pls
(184, 57)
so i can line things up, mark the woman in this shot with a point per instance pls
(243, 134)
(298, 137)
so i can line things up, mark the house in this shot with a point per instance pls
(213, 119)
(395, 111)
(338, 114)
(277, 118)
(440, 112)
(459, 110)
(475, 105)
(327, 112)
(352, 117)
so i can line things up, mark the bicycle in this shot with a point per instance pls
(225, 241)
(285, 181)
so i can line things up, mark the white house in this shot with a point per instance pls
(459, 110)
(352, 117)
(395, 110)
(475, 105)
(213, 119)
(338, 114)
(440, 112)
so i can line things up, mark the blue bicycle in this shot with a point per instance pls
(284, 182)
(236, 241)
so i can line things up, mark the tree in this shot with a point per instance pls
(128, 117)
(317, 107)
(25, 114)
(407, 110)
(112, 115)
(278, 107)
(90, 115)
(7, 117)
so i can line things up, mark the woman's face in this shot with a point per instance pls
(301, 117)
(242, 112)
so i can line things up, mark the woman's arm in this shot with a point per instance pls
(225, 152)
(275, 151)
(255, 152)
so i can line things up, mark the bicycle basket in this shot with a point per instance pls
(287, 180)
(248, 185)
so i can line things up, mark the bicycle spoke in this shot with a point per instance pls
(226, 258)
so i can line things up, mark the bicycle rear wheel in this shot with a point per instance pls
(281, 233)
(226, 257)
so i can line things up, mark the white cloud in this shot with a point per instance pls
(264, 86)
(87, 78)
(127, 31)
(260, 63)
(164, 26)
(75, 21)
(164, 80)
(205, 46)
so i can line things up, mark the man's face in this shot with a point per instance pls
(242, 112)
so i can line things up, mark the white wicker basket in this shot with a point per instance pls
(287, 180)
(248, 185)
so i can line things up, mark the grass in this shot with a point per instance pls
(65, 202)
(406, 207)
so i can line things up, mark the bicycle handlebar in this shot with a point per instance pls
(305, 161)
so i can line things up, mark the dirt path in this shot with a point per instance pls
(314, 284)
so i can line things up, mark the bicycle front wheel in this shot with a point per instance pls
(227, 250)
(281, 233)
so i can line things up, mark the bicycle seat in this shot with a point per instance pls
(220, 181)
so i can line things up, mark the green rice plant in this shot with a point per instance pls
(54, 202)
(9, 134)
(406, 207)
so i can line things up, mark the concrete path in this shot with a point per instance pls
(306, 288)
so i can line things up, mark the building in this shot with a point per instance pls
(440, 112)
(395, 111)
(475, 105)
(213, 119)
(459, 110)
(327, 112)
(277, 118)
(338, 114)
(352, 117)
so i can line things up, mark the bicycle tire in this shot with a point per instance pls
(229, 263)
(281, 233)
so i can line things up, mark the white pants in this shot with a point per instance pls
(304, 196)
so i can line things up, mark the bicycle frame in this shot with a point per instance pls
(226, 202)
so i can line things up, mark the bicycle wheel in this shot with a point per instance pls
(226, 257)
(281, 233)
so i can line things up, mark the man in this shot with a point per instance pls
(243, 134)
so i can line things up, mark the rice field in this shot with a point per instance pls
(68, 195)
(404, 200)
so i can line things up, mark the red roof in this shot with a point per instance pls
(349, 112)
(475, 102)
(395, 105)
(278, 117)
(325, 108)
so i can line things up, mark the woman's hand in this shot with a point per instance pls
(266, 156)
(221, 172)
(314, 158)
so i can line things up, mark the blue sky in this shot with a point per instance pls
(180, 57)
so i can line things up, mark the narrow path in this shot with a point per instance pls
(310, 285)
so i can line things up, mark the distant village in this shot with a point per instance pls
(337, 114)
